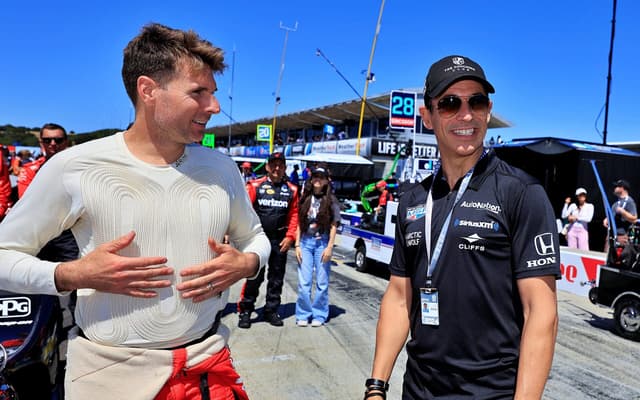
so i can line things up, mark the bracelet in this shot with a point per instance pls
(376, 384)
(373, 394)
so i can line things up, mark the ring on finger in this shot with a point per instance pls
(210, 286)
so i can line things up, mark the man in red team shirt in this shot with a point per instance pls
(5, 184)
(53, 139)
(276, 203)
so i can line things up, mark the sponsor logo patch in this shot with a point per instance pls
(545, 248)
(482, 206)
(544, 244)
(414, 213)
(273, 203)
(477, 224)
(472, 244)
(12, 307)
(413, 238)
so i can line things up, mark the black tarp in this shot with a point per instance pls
(563, 165)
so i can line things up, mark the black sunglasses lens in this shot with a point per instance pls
(449, 105)
(479, 102)
(58, 140)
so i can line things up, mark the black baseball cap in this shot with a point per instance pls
(450, 69)
(622, 183)
(320, 171)
(277, 156)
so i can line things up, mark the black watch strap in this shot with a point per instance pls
(377, 383)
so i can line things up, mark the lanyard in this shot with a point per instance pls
(433, 260)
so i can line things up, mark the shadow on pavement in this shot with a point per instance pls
(377, 269)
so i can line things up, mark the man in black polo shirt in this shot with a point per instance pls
(475, 286)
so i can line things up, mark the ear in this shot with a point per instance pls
(426, 117)
(145, 87)
(489, 111)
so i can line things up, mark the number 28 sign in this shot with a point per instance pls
(402, 110)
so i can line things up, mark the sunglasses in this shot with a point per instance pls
(448, 106)
(50, 140)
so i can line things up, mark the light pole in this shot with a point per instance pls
(606, 103)
(233, 67)
(275, 108)
(368, 77)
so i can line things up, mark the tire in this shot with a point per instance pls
(627, 318)
(360, 259)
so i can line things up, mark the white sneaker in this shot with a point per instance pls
(315, 323)
(302, 323)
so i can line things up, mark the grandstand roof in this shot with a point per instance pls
(377, 107)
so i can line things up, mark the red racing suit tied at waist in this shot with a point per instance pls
(213, 378)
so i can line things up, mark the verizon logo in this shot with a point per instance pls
(273, 203)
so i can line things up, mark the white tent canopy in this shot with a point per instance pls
(333, 158)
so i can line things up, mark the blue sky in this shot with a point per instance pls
(546, 59)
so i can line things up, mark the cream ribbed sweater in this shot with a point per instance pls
(101, 191)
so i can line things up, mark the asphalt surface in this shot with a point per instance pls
(333, 361)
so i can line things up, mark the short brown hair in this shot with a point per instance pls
(53, 127)
(157, 51)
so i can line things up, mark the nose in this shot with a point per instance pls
(214, 105)
(465, 113)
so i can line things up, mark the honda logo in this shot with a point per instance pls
(544, 244)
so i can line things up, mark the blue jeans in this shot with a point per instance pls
(312, 249)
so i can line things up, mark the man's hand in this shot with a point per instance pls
(203, 281)
(285, 244)
(105, 270)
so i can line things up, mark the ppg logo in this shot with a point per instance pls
(544, 244)
(12, 307)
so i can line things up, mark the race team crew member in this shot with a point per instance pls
(53, 139)
(276, 203)
(5, 185)
(483, 314)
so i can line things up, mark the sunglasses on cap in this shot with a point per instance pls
(58, 140)
(449, 105)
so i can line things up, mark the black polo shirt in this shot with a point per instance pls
(502, 229)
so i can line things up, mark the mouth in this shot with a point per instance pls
(201, 123)
(463, 132)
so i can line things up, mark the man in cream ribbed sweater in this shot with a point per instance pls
(149, 210)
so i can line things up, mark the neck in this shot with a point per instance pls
(150, 148)
(454, 168)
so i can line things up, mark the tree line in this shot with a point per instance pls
(25, 136)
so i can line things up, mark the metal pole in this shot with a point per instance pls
(320, 53)
(275, 108)
(367, 79)
(606, 103)
(233, 67)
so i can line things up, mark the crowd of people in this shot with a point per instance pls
(165, 227)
